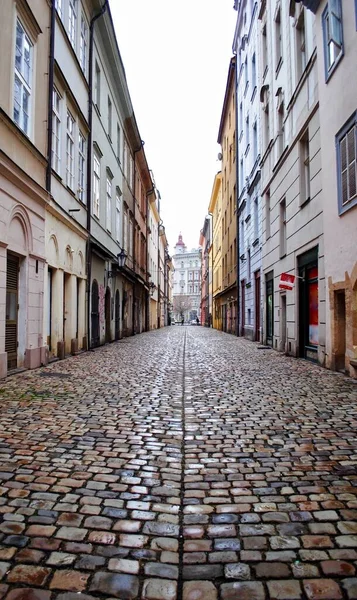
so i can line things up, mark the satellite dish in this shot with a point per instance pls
(220, 156)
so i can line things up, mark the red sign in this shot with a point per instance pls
(286, 281)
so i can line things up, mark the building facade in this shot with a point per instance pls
(186, 291)
(336, 65)
(25, 41)
(293, 240)
(249, 226)
(215, 210)
(227, 298)
(205, 243)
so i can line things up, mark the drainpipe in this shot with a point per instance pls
(151, 191)
(89, 163)
(134, 236)
(50, 96)
(237, 199)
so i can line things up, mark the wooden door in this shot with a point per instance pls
(11, 324)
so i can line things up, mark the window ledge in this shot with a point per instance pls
(332, 69)
(253, 94)
(256, 242)
(305, 202)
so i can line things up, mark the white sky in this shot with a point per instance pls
(176, 56)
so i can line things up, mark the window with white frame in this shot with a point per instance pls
(72, 22)
(117, 214)
(96, 186)
(125, 230)
(83, 44)
(300, 44)
(332, 34)
(81, 165)
(23, 78)
(278, 39)
(109, 202)
(70, 151)
(131, 237)
(59, 7)
(97, 85)
(118, 143)
(304, 167)
(56, 130)
(109, 118)
(346, 146)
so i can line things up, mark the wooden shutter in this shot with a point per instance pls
(11, 310)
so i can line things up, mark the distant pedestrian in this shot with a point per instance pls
(182, 321)
(197, 321)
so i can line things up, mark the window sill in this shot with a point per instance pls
(247, 219)
(256, 242)
(342, 209)
(253, 94)
(305, 202)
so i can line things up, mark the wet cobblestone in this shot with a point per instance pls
(178, 465)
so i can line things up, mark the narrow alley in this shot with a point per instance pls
(181, 464)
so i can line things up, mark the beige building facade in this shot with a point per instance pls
(24, 41)
(215, 210)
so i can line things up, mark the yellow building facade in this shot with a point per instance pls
(215, 209)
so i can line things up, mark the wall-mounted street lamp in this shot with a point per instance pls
(152, 288)
(121, 258)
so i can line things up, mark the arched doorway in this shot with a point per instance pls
(108, 337)
(117, 315)
(95, 314)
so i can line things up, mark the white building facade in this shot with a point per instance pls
(293, 241)
(249, 204)
(186, 282)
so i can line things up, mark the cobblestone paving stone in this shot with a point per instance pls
(182, 464)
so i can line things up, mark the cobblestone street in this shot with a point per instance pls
(181, 464)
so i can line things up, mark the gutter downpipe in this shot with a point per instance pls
(148, 308)
(134, 239)
(237, 199)
(89, 164)
(50, 96)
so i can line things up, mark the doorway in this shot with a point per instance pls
(242, 285)
(340, 330)
(269, 291)
(108, 337)
(49, 309)
(308, 305)
(283, 323)
(117, 315)
(95, 314)
(12, 306)
(257, 306)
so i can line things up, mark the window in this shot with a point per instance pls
(23, 77)
(56, 131)
(282, 228)
(118, 143)
(249, 264)
(242, 237)
(70, 151)
(304, 168)
(109, 117)
(97, 86)
(246, 72)
(254, 73)
(72, 22)
(117, 214)
(81, 165)
(109, 203)
(332, 32)
(96, 185)
(264, 51)
(281, 132)
(300, 45)
(59, 8)
(278, 40)
(255, 141)
(125, 231)
(131, 237)
(83, 45)
(247, 132)
(256, 221)
(267, 214)
(346, 145)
